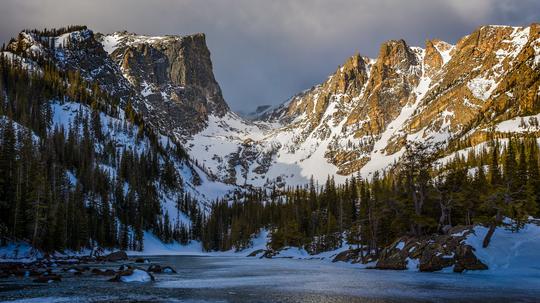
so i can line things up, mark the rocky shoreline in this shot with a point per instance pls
(426, 254)
(53, 269)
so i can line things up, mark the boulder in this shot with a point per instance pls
(155, 268)
(347, 256)
(256, 252)
(135, 275)
(438, 253)
(467, 260)
(393, 263)
(75, 270)
(124, 267)
(168, 270)
(141, 260)
(434, 260)
(107, 272)
(433, 252)
(394, 256)
(116, 256)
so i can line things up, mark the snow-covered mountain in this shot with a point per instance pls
(87, 53)
(357, 121)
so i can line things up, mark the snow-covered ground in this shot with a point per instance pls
(19, 252)
(509, 253)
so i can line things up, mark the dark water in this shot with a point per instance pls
(240, 279)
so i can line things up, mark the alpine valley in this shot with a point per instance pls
(423, 158)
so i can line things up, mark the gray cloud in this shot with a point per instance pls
(266, 51)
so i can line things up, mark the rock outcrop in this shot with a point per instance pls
(432, 253)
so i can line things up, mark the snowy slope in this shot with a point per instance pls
(509, 252)
(124, 135)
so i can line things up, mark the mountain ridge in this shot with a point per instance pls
(355, 122)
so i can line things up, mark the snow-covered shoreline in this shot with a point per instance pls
(509, 252)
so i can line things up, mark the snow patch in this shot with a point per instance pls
(509, 252)
(481, 88)
(138, 275)
(110, 42)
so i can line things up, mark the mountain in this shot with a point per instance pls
(360, 118)
(168, 79)
(104, 166)
(357, 121)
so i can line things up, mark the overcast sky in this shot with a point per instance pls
(265, 51)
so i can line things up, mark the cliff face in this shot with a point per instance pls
(174, 75)
(168, 79)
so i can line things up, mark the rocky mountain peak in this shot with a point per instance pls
(395, 54)
(169, 79)
(437, 54)
(361, 117)
(350, 77)
(173, 73)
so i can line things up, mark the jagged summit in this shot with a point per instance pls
(175, 70)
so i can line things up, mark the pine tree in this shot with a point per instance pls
(533, 177)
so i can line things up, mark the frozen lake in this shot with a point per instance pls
(241, 279)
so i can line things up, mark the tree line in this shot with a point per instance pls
(417, 197)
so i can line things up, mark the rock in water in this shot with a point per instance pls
(136, 275)
(116, 256)
(168, 270)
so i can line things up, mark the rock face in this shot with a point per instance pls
(168, 79)
(432, 253)
(174, 75)
(363, 114)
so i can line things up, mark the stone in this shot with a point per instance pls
(347, 256)
(168, 270)
(116, 256)
(133, 275)
(391, 259)
(256, 252)
(467, 260)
